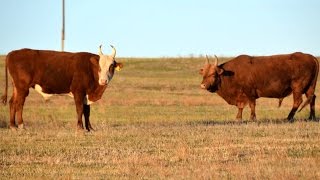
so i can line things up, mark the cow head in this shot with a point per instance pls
(107, 65)
(211, 74)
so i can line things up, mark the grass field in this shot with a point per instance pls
(154, 122)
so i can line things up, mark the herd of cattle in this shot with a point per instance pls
(85, 76)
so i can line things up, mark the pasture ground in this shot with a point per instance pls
(154, 122)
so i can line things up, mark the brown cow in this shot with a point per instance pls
(244, 79)
(83, 75)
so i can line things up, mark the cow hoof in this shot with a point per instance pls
(88, 132)
(21, 127)
(291, 120)
(13, 128)
(80, 127)
(239, 120)
(313, 119)
(91, 129)
(253, 119)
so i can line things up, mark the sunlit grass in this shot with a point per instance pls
(154, 122)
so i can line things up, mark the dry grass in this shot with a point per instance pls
(154, 122)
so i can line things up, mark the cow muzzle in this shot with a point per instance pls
(103, 82)
(203, 86)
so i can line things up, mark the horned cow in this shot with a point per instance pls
(83, 75)
(244, 79)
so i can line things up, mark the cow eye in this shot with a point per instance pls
(111, 68)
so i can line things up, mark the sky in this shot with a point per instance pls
(163, 28)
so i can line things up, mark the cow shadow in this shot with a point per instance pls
(246, 122)
(3, 122)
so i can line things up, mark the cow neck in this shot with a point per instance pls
(95, 90)
(96, 93)
(224, 89)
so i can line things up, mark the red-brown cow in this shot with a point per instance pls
(83, 75)
(244, 79)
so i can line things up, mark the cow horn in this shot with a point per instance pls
(207, 60)
(100, 51)
(216, 61)
(113, 54)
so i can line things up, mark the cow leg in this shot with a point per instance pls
(297, 100)
(18, 103)
(13, 108)
(252, 105)
(239, 115)
(240, 105)
(86, 113)
(312, 116)
(79, 98)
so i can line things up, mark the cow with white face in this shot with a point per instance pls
(83, 76)
(107, 65)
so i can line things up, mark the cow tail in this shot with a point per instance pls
(312, 86)
(5, 94)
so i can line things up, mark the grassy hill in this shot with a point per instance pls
(154, 121)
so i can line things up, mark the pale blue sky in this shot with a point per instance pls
(146, 28)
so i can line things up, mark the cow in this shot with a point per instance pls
(82, 75)
(244, 79)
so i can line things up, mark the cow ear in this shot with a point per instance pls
(201, 71)
(119, 66)
(219, 70)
